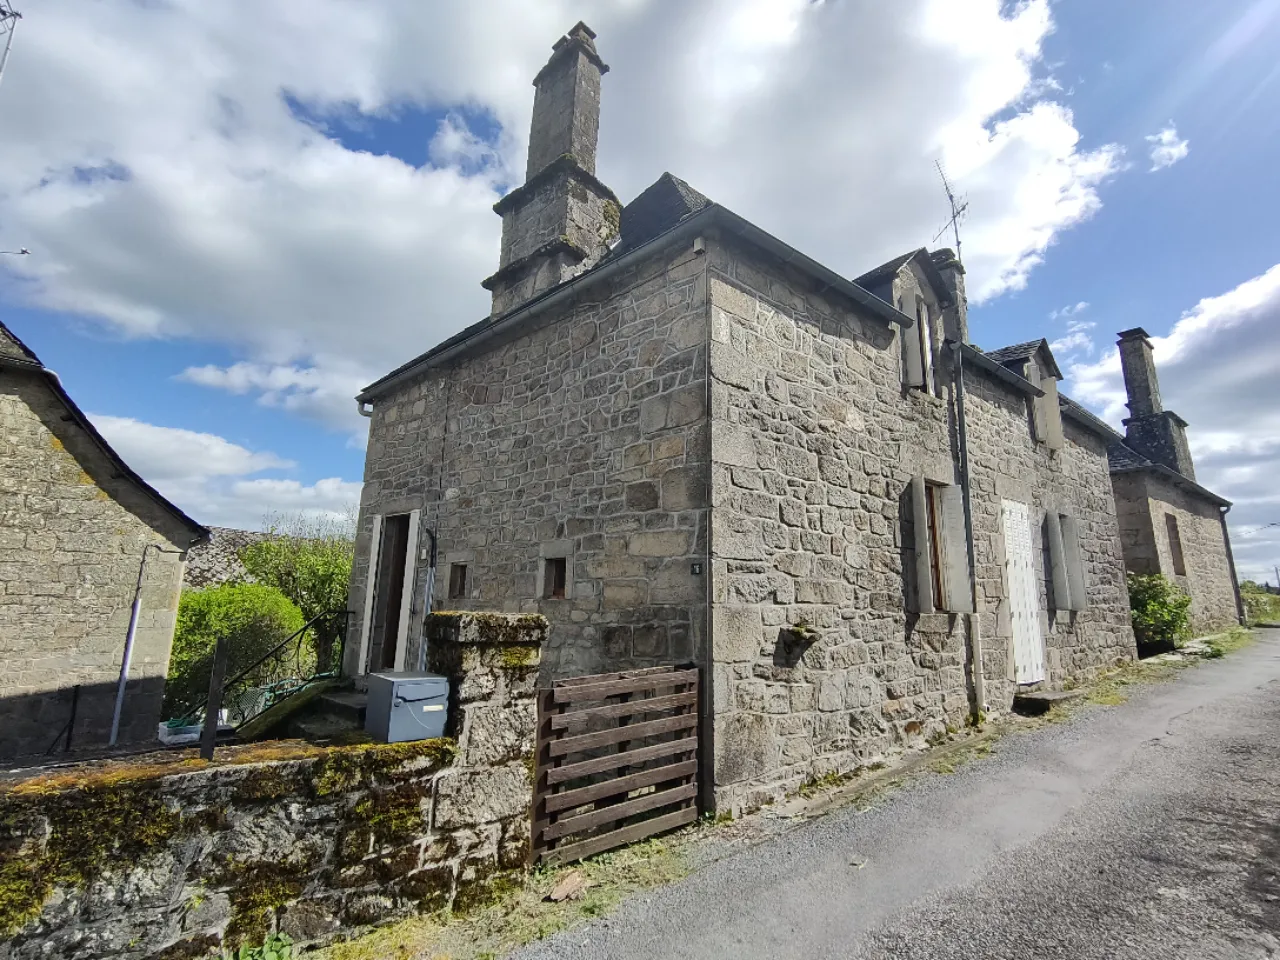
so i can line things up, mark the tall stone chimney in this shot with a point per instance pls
(1158, 434)
(955, 319)
(560, 222)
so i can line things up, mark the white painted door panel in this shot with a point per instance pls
(1024, 611)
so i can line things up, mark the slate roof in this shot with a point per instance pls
(661, 206)
(1087, 419)
(880, 280)
(1018, 352)
(1122, 458)
(217, 560)
(16, 355)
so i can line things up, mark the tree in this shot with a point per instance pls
(1159, 612)
(308, 559)
(254, 617)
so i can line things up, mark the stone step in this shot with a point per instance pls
(1035, 702)
(345, 706)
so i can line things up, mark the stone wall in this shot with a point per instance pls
(72, 535)
(1007, 464)
(583, 437)
(814, 444)
(1142, 501)
(176, 859)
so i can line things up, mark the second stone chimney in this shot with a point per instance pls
(1159, 435)
(560, 222)
(955, 319)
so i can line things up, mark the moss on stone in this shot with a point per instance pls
(518, 655)
(394, 817)
(90, 831)
(479, 893)
(612, 218)
(257, 890)
(343, 768)
(268, 783)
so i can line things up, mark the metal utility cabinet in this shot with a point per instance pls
(406, 706)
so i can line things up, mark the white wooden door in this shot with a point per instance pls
(1020, 578)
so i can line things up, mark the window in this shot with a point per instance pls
(553, 578)
(1066, 561)
(941, 549)
(457, 581)
(1047, 412)
(1175, 545)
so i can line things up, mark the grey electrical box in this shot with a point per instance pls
(406, 706)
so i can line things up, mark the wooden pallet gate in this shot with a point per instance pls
(617, 761)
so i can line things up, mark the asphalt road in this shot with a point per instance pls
(1145, 830)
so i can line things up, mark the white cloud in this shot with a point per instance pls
(1166, 148)
(1066, 312)
(212, 479)
(1077, 339)
(153, 165)
(1217, 370)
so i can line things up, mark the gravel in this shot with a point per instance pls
(1150, 829)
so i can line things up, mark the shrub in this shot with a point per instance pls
(253, 616)
(309, 561)
(1259, 605)
(1159, 611)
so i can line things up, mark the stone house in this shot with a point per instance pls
(217, 560)
(679, 438)
(82, 538)
(1169, 524)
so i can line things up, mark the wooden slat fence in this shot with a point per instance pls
(617, 761)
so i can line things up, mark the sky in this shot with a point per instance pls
(240, 213)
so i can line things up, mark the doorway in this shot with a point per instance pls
(393, 590)
(1020, 579)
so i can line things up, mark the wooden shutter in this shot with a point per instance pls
(1037, 407)
(924, 569)
(955, 550)
(1057, 561)
(371, 584)
(1052, 414)
(1075, 563)
(912, 360)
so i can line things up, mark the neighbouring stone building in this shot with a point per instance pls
(679, 438)
(1169, 524)
(80, 533)
(217, 560)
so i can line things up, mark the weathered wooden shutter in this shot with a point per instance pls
(1037, 406)
(924, 569)
(1075, 563)
(955, 550)
(1057, 561)
(912, 360)
(1052, 414)
(406, 596)
(371, 583)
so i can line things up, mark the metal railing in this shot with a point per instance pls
(311, 654)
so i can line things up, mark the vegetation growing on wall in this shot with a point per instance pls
(1159, 610)
(1259, 605)
(253, 616)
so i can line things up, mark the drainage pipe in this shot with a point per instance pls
(1231, 564)
(974, 622)
(129, 639)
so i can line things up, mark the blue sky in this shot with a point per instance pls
(234, 229)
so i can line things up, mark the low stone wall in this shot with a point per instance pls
(175, 858)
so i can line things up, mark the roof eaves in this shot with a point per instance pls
(998, 370)
(1087, 420)
(713, 213)
(200, 532)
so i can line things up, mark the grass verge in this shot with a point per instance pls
(524, 915)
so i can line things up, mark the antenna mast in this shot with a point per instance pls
(959, 207)
(9, 18)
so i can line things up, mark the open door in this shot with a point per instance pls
(391, 599)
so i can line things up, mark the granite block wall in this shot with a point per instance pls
(814, 445)
(72, 535)
(1142, 501)
(583, 437)
(167, 858)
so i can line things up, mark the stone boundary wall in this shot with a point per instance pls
(178, 859)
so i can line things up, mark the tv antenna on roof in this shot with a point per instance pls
(9, 18)
(959, 207)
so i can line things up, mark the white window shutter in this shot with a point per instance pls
(1057, 562)
(371, 583)
(1075, 564)
(924, 569)
(913, 362)
(1052, 414)
(955, 550)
